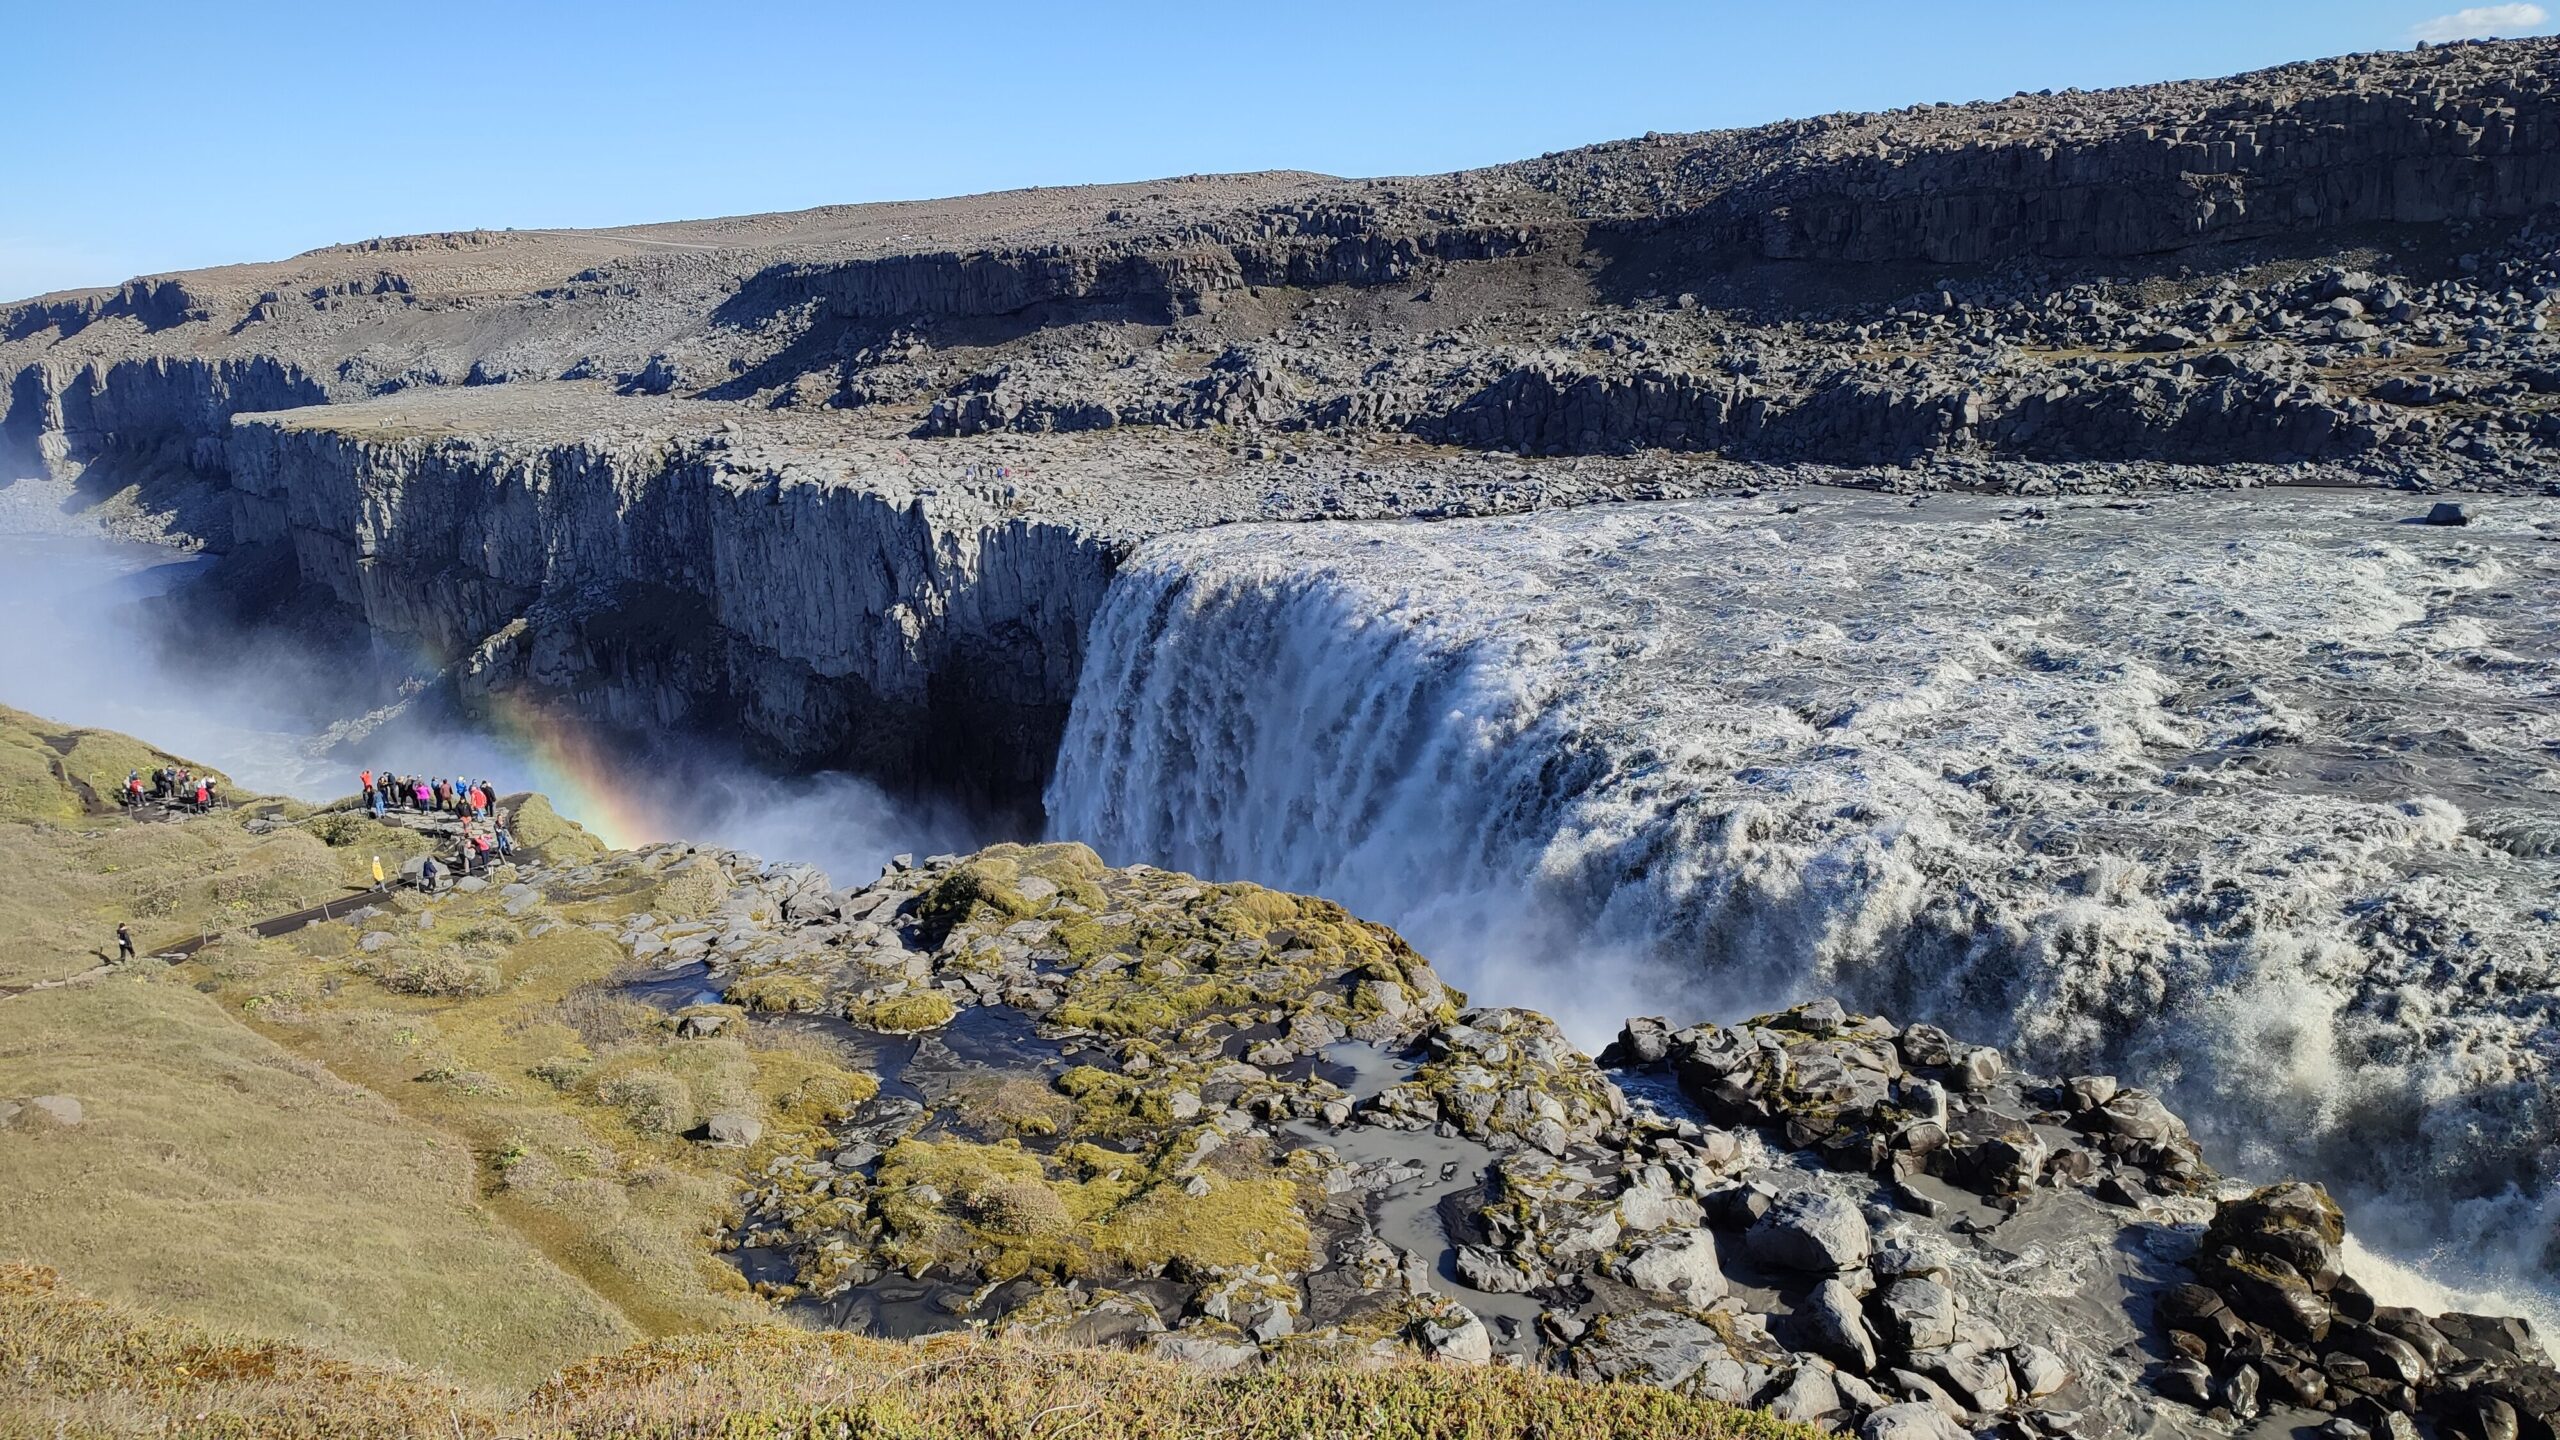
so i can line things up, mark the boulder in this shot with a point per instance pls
(1811, 1230)
(732, 1130)
(1484, 1268)
(1456, 1336)
(1809, 1396)
(1209, 1352)
(2270, 1293)
(58, 1112)
(2187, 1382)
(1653, 1203)
(2085, 1093)
(2039, 1371)
(1832, 1324)
(1681, 1265)
(1911, 1421)
(1927, 1045)
(1667, 1349)
(2136, 1115)
(1977, 1377)
(1916, 1314)
(1643, 1043)
(1978, 1069)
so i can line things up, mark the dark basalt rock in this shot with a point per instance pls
(2271, 1289)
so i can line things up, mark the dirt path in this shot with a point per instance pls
(12, 992)
(268, 929)
(89, 801)
(335, 909)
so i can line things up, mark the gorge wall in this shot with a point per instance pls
(651, 586)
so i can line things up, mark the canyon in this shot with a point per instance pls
(2070, 569)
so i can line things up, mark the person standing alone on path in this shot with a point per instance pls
(124, 942)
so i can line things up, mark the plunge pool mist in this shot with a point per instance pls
(87, 638)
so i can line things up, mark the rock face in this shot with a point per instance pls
(861, 623)
(1229, 1125)
(1655, 254)
(2274, 1322)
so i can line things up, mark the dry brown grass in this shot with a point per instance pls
(72, 876)
(76, 1367)
(218, 1177)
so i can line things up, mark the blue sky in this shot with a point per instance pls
(148, 137)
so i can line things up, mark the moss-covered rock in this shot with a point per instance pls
(904, 1014)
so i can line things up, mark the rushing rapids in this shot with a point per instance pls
(2254, 796)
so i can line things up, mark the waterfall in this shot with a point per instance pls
(2229, 802)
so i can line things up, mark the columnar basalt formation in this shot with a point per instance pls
(649, 582)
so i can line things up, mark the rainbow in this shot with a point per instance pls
(564, 760)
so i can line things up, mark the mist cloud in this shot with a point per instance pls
(83, 642)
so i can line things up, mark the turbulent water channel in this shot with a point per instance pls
(2254, 797)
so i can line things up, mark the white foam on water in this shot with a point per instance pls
(2252, 798)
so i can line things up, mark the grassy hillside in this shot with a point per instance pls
(215, 1174)
(218, 1176)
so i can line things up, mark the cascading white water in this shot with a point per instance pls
(2251, 797)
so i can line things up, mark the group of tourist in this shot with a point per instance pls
(433, 795)
(485, 838)
(173, 785)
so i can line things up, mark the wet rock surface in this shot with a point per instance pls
(1219, 1123)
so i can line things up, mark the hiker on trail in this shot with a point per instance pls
(418, 792)
(427, 875)
(204, 796)
(133, 789)
(438, 791)
(506, 842)
(373, 802)
(124, 942)
(364, 782)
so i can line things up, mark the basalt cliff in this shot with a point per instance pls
(624, 470)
